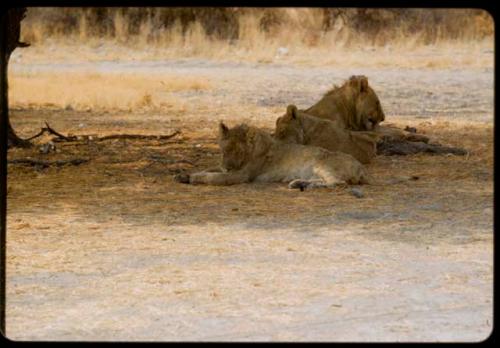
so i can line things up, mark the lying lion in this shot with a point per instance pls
(356, 106)
(252, 155)
(300, 128)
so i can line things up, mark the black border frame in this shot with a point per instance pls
(486, 5)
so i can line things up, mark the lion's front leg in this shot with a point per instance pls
(213, 178)
(396, 134)
(183, 178)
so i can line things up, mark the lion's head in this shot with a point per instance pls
(241, 145)
(369, 112)
(354, 103)
(289, 128)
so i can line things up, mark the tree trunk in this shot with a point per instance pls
(13, 139)
(11, 29)
(3, 163)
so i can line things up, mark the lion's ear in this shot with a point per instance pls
(291, 111)
(359, 83)
(363, 84)
(223, 130)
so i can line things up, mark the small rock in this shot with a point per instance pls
(81, 125)
(282, 51)
(47, 148)
(411, 129)
(488, 211)
(356, 191)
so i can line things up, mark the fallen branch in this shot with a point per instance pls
(45, 163)
(403, 148)
(50, 130)
(60, 137)
(37, 135)
(138, 136)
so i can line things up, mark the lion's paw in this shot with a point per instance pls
(298, 184)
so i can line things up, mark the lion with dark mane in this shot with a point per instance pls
(354, 105)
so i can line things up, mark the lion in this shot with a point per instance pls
(354, 105)
(300, 128)
(250, 154)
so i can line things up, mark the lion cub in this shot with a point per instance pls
(252, 155)
(300, 128)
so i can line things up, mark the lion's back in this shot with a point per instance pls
(286, 162)
(332, 136)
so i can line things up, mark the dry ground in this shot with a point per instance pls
(115, 250)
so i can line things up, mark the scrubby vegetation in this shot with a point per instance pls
(310, 26)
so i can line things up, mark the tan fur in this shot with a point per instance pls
(354, 105)
(252, 155)
(392, 133)
(300, 128)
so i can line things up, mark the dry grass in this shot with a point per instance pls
(307, 26)
(101, 91)
(445, 55)
(119, 167)
(300, 39)
(116, 242)
(442, 55)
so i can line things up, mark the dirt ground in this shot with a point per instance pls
(114, 250)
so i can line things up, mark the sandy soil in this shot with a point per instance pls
(115, 250)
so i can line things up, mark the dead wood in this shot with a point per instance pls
(138, 136)
(63, 138)
(50, 130)
(45, 163)
(59, 135)
(36, 135)
(390, 147)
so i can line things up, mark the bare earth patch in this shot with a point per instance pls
(114, 249)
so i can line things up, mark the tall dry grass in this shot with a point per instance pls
(243, 32)
(365, 38)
